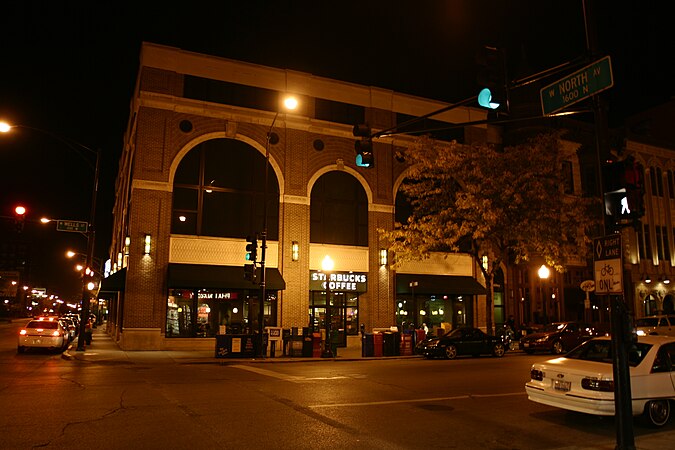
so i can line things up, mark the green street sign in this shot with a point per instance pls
(578, 86)
(71, 225)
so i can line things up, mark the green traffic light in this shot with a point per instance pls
(485, 99)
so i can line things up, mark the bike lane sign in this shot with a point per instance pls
(608, 265)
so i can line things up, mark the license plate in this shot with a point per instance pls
(526, 344)
(37, 341)
(560, 385)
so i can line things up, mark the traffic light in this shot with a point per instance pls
(623, 185)
(19, 218)
(492, 79)
(249, 272)
(252, 248)
(363, 146)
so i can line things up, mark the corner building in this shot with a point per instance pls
(193, 185)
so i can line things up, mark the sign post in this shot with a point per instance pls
(580, 85)
(608, 268)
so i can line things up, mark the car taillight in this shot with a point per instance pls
(594, 384)
(22, 332)
(536, 374)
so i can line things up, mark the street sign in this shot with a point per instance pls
(71, 225)
(608, 265)
(578, 86)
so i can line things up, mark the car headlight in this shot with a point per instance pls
(641, 333)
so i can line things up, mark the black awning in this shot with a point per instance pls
(219, 277)
(438, 284)
(114, 282)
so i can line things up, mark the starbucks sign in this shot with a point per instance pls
(338, 281)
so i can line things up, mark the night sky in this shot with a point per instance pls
(69, 67)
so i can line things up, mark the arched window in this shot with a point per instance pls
(339, 211)
(219, 189)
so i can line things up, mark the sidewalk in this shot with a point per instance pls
(103, 349)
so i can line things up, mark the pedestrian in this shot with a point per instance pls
(88, 331)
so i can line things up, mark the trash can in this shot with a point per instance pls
(367, 349)
(296, 343)
(307, 342)
(286, 339)
(389, 344)
(316, 345)
(406, 345)
(377, 344)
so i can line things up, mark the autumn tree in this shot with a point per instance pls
(506, 204)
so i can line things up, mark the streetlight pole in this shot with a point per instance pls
(74, 145)
(290, 103)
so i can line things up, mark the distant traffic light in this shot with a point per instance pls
(363, 146)
(492, 79)
(19, 217)
(252, 249)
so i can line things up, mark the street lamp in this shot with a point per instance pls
(90, 234)
(327, 267)
(290, 103)
(543, 273)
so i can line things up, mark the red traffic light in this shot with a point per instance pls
(20, 210)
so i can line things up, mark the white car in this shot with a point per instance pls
(43, 333)
(582, 380)
(660, 324)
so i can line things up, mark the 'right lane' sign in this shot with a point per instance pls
(607, 265)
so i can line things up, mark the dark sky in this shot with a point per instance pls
(69, 67)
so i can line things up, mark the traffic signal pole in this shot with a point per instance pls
(625, 439)
(263, 247)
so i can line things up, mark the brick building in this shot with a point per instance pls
(191, 189)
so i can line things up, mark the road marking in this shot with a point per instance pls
(269, 373)
(418, 400)
(281, 376)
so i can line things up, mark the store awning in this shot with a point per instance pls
(219, 277)
(438, 284)
(114, 282)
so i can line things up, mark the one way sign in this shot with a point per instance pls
(608, 265)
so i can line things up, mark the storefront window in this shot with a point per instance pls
(205, 313)
(179, 314)
(432, 310)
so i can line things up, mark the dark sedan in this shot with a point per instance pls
(462, 341)
(557, 337)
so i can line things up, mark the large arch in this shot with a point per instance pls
(338, 210)
(334, 167)
(235, 200)
(223, 135)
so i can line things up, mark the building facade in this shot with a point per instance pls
(212, 160)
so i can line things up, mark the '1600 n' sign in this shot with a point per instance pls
(338, 281)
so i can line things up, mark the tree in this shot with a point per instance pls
(507, 205)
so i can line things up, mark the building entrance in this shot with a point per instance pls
(343, 314)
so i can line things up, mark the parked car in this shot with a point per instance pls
(557, 337)
(69, 326)
(42, 333)
(582, 380)
(659, 324)
(461, 341)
